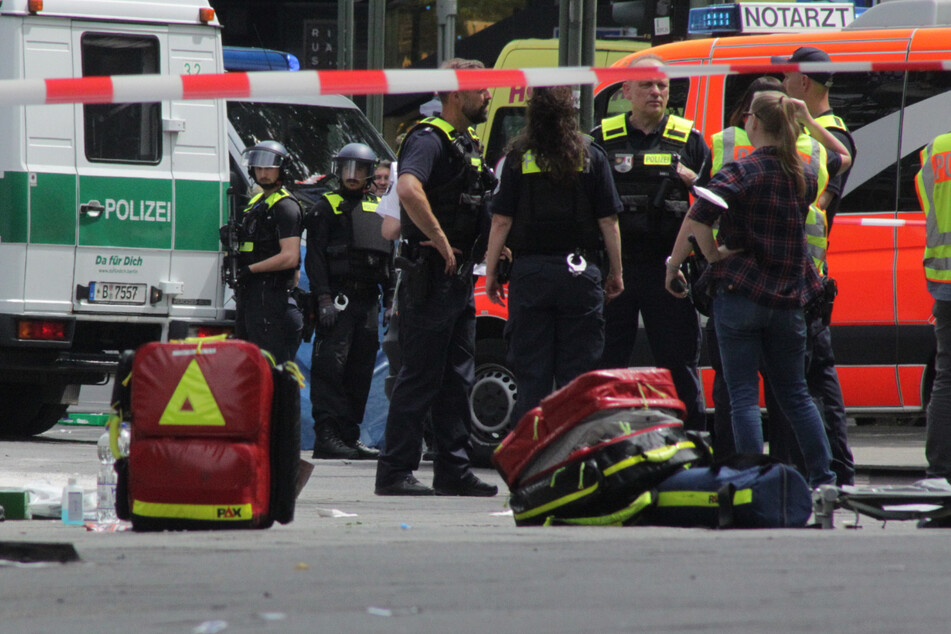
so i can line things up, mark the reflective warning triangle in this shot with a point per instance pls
(192, 402)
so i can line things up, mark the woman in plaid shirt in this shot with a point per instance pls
(763, 273)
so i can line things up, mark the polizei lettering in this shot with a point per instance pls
(139, 210)
(793, 17)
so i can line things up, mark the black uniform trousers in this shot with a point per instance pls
(673, 332)
(437, 341)
(261, 314)
(555, 327)
(342, 366)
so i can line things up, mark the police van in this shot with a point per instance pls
(883, 341)
(109, 213)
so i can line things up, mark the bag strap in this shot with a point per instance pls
(725, 517)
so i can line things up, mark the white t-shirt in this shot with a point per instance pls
(390, 203)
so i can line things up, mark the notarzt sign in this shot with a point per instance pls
(768, 17)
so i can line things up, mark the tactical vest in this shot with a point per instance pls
(933, 184)
(457, 202)
(552, 218)
(258, 230)
(356, 250)
(655, 199)
(733, 143)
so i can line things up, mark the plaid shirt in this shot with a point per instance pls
(766, 219)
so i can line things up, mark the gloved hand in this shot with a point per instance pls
(244, 273)
(387, 315)
(326, 312)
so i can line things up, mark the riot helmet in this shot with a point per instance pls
(355, 161)
(266, 154)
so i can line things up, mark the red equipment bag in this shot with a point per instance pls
(202, 451)
(649, 388)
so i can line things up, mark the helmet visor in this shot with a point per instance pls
(353, 170)
(262, 158)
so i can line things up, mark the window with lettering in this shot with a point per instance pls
(121, 132)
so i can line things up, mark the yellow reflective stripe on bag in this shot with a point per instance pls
(660, 454)
(544, 508)
(701, 498)
(206, 512)
(613, 519)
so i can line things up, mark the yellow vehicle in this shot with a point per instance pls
(507, 108)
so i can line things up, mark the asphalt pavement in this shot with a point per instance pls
(355, 562)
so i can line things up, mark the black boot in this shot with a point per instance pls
(329, 446)
(365, 452)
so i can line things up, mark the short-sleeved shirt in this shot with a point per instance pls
(425, 155)
(288, 219)
(390, 201)
(598, 182)
(766, 219)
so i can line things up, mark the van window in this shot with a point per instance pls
(312, 134)
(926, 98)
(870, 99)
(506, 125)
(121, 132)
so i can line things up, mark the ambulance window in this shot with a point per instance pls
(868, 100)
(121, 132)
(927, 98)
(506, 124)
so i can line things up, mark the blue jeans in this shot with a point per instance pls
(752, 336)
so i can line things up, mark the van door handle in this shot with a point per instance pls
(92, 209)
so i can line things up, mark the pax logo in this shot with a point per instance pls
(229, 513)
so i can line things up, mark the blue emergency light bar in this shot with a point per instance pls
(242, 58)
(719, 18)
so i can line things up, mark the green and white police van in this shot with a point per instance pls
(109, 213)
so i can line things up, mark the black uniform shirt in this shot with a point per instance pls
(286, 222)
(695, 153)
(837, 183)
(319, 223)
(425, 154)
(598, 182)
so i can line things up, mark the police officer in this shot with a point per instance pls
(813, 88)
(441, 184)
(557, 207)
(933, 184)
(269, 232)
(348, 264)
(656, 159)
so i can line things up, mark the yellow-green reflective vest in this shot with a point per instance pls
(933, 184)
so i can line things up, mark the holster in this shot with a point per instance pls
(416, 277)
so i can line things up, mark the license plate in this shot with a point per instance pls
(112, 293)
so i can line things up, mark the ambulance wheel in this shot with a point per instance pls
(24, 414)
(491, 401)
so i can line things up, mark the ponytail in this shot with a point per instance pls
(778, 115)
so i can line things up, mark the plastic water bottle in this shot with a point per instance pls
(106, 482)
(72, 503)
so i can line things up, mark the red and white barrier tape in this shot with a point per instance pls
(878, 222)
(147, 88)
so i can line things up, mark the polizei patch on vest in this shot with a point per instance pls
(657, 159)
